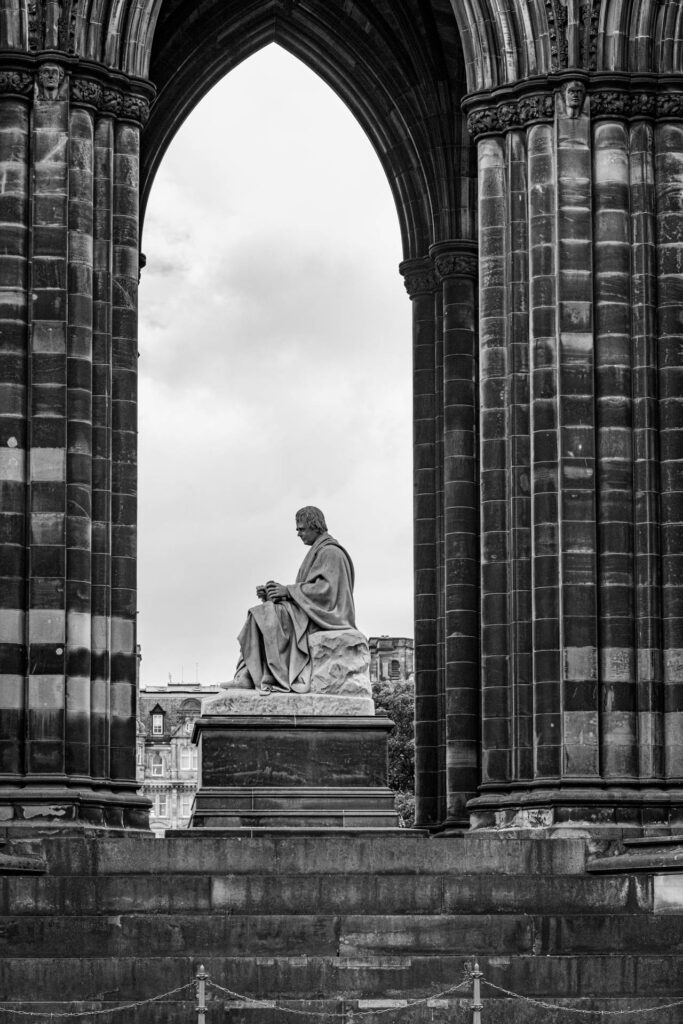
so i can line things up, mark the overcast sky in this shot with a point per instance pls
(274, 367)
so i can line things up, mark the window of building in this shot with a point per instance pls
(395, 669)
(157, 765)
(141, 754)
(157, 725)
(163, 805)
(185, 759)
(185, 804)
(193, 755)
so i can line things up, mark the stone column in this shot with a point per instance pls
(69, 144)
(456, 268)
(668, 162)
(430, 774)
(442, 288)
(580, 455)
(16, 88)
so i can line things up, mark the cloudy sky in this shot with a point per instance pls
(274, 367)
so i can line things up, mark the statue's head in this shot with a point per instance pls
(310, 523)
(574, 95)
(49, 78)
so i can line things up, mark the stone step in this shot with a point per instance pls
(273, 854)
(324, 893)
(127, 979)
(344, 935)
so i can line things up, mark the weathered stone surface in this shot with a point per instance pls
(249, 702)
(325, 924)
(341, 663)
(293, 771)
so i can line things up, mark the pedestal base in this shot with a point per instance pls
(50, 806)
(565, 809)
(293, 771)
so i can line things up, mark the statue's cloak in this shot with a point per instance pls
(274, 639)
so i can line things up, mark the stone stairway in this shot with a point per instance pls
(334, 924)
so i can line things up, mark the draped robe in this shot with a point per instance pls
(274, 639)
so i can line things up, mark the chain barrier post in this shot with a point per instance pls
(201, 994)
(477, 1005)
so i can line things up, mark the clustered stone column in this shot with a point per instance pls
(581, 378)
(69, 152)
(443, 290)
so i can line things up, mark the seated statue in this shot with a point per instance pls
(274, 646)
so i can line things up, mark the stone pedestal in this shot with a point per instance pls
(314, 760)
(293, 771)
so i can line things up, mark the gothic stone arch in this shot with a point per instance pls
(548, 359)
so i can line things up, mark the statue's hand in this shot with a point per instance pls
(276, 592)
(262, 593)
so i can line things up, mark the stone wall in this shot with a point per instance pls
(337, 924)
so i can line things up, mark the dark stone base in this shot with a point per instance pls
(610, 811)
(276, 771)
(660, 854)
(48, 806)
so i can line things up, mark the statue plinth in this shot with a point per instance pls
(315, 760)
(249, 702)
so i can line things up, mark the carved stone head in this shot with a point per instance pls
(310, 523)
(573, 93)
(49, 79)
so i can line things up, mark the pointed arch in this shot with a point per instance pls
(390, 66)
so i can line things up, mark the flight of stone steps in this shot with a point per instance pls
(333, 925)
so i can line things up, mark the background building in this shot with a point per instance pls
(166, 757)
(391, 657)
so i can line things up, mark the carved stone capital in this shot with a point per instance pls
(670, 104)
(512, 113)
(643, 104)
(456, 264)
(418, 277)
(134, 108)
(17, 83)
(86, 92)
(606, 96)
(110, 101)
(610, 102)
(106, 98)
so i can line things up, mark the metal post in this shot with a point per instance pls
(477, 1005)
(201, 994)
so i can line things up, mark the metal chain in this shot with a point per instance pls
(576, 1009)
(51, 1015)
(349, 1015)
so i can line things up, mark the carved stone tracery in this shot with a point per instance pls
(590, 21)
(557, 23)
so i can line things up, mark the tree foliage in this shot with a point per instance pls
(396, 698)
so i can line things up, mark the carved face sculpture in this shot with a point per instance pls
(49, 77)
(574, 95)
(307, 533)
